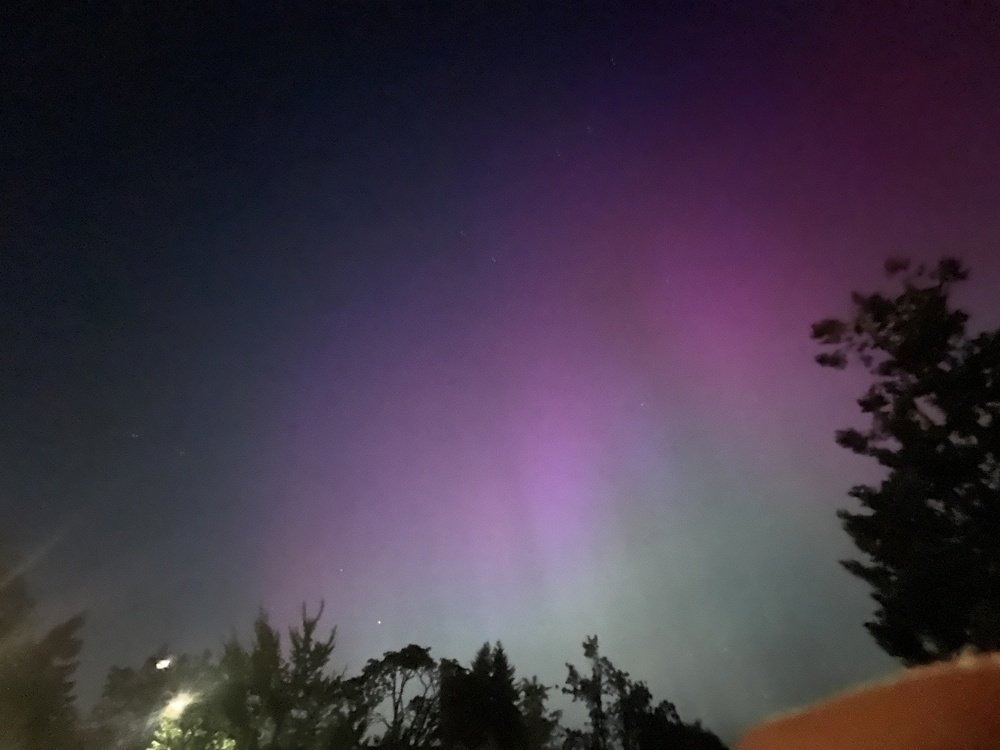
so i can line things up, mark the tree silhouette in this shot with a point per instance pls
(591, 691)
(171, 735)
(622, 715)
(270, 701)
(930, 532)
(399, 694)
(266, 696)
(127, 714)
(250, 698)
(37, 710)
(540, 724)
(479, 705)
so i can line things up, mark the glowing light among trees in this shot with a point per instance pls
(177, 705)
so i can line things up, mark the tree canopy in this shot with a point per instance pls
(281, 692)
(929, 533)
(268, 697)
(480, 705)
(621, 712)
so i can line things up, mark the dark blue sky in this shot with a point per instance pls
(478, 320)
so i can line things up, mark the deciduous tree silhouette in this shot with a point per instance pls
(591, 691)
(622, 715)
(399, 692)
(541, 725)
(929, 533)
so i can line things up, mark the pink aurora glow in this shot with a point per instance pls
(583, 419)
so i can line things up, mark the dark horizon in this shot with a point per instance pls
(476, 321)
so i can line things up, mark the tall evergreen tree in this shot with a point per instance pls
(37, 709)
(479, 705)
(929, 533)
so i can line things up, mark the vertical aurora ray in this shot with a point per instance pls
(478, 470)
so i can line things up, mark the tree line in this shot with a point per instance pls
(277, 693)
(928, 534)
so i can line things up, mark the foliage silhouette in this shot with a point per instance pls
(622, 715)
(930, 533)
(480, 705)
(127, 713)
(399, 694)
(37, 710)
(541, 725)
(272, 701)
(266, 697)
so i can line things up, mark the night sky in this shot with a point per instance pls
(476, 320)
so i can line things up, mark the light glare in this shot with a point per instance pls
(176, 705)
